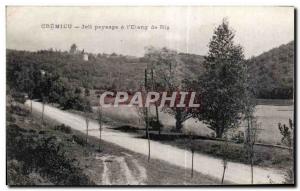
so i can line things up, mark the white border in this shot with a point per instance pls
(3, 3)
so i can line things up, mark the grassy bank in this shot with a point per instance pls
(265, 156)
(54, 154)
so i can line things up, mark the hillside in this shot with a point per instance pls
(271, 72)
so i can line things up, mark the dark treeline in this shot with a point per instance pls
(271, 72)
(39, 80)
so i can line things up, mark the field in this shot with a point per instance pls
(268, 116)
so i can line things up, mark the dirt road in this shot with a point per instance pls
(236, 172)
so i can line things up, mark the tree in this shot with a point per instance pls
(223, 83)
(252, 127)
(100, 121)
(251, 137)
(86, 113)
(73, 48)
(287, 139)
(26, 83)
(190, 145)
(167, 74)
(157, 123)
(225, 151)
(144, 113)
(286, 133)
(44, 88)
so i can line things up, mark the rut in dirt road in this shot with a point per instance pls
(122, 170)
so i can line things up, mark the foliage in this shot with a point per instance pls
(42, 154)
(166, 67)
(25, 75)
(156, 125)
(63, 128)
(287, 133)
(168, 74)
(79, 140)
(272, 72)
(287, 139)
(73, 49)
(224, 82)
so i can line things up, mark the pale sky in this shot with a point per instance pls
(257, 29)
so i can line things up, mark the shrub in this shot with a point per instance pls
(15, 175)
(79, 140)
(19, 110)
(156, 125)
(41, 154)
(238, 138)
(19, 97)
(63, 128)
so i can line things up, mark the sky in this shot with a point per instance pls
(257, 29)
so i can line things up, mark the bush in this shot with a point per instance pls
(79, 140)
(15, 175)
(10, 117)
(43, 155)
(19, 110)
(63, 128)
(19, 97)
(156, 125)
(238, 138)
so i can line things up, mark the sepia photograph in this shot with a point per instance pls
(150, 96)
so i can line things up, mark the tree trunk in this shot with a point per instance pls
(218, 132)
(100, 129)
(179, 122)
(178, 125)
(192, 173)
(146, 119)
(221, 131)
(149, 150)
(100, 125)
(43, 109)
(223, 174)
(156, 107)
(30, 105)
(251, 170)
(147, 132)
(157, 118)
(87, 131)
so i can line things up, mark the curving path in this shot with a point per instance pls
(236, 172)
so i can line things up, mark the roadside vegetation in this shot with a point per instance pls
(50, 153)
(36, 155)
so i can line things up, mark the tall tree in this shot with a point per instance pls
(251, 137)
(144, 113)
(168, 76)
(44, 88)
(100, 121)
(224, 82)
(73, 48)
(86, 112)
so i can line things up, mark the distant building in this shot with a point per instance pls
(85, 57)
(43, 72)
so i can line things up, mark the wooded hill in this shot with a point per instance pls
(271, 72)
